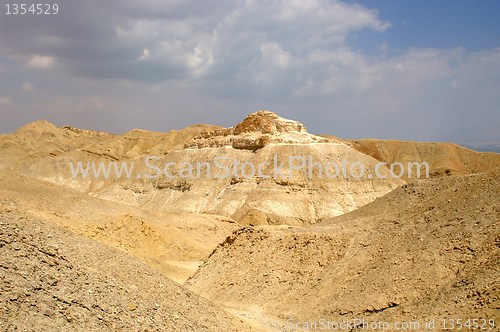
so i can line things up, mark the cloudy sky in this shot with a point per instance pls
(416, 70)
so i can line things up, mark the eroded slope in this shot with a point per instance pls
(430, 249)
(172, 244)
(52, 280)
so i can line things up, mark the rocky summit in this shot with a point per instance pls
(256, 131)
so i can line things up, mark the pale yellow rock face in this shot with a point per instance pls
(256, 131)
(263, 138)
(282, 200)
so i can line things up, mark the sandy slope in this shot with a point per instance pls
(56, 280)
(173, 244)
(429, 249)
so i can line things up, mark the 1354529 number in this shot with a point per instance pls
(31, 8)
(468, 324)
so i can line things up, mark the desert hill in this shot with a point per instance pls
(255, 200)
(41, 147)
(44, 151)
(427, 249)
(443, 158)
(53, 280)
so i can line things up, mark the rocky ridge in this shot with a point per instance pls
(256, 131)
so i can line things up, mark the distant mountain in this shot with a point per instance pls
(484, 147)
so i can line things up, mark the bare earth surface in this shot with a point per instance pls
(425, 250)
(94, 254)
(54, 279)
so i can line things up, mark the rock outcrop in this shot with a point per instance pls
(241, 177)
(256, 131)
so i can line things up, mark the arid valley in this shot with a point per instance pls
(243, 253)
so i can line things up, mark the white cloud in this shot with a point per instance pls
(41, 62)
(479, 68)
(227, 41)
(199, 60)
